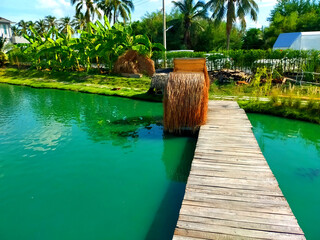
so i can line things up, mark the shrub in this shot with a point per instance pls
(3, 58)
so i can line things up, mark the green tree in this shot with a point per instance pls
(205, 35)
(151, 24)
(88, 6)
(51, 21)
(253, 39)
(79, 22)
(213, 37)
(190, 12)
(40, 26)
(233, 10)
(292, 16)
(3, 56)
(15, 30)
(64, 24)
(23, 27)
(117, 8)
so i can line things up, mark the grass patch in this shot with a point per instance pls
(81, 82)
(288, 90)
(288, 108)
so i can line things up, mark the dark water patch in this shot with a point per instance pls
(308, 173)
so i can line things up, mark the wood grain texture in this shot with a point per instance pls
(231, 192)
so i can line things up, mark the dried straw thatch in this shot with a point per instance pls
(133, 62)
(159, 81)
(186, 96)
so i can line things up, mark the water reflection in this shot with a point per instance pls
(87, 155)
(105, 119)
(292, 149)
(46, 138)
(102, 118)
(282, 129)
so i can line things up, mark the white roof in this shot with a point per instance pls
(298, 41)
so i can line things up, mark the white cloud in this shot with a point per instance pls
(58, 8)
(268, 3)
(58, 12)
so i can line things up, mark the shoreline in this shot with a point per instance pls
(90, 83)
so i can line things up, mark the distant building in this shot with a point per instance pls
(298, 41)
(6, 32)
(5, 28)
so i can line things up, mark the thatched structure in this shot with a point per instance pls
(186, 96)
(134, 63)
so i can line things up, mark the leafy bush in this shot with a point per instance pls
(3, 58)
(100, 44)
(281, 60)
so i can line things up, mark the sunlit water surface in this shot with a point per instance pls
(77, 166)
(292, 149)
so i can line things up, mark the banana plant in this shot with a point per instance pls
(99, 43)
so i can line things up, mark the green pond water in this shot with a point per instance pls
(80, 166)
(292, 149)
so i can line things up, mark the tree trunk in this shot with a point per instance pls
(187, 36)
(229, 28)
(230, 16)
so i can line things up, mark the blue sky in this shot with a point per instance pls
(16, 10)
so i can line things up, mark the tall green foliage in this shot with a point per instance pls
(100, 44)
(3, 56)
(205, 36)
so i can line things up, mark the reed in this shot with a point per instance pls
(186, 96)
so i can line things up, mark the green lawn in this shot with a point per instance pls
(288, 90)
(80, 81)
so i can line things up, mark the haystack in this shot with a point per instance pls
(186, 96)
(133, 62)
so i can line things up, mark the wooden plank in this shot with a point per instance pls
(231, 192)
(238, 231)
(246, 225)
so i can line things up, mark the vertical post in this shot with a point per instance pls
(164, 33)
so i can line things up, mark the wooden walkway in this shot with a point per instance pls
(231, 192)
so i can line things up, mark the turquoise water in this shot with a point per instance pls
(81, 166)
(292, 149)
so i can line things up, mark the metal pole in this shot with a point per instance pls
(164, 33)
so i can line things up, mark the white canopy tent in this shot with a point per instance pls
(298, 41)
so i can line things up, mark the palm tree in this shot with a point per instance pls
(190, 12)
(64, 23)
(15, 30)
(41, 26)
(51, 21)
(23, 27)
(107, 8)
(79, 22)
(233, 10)
(117, 8)
(89, 6)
